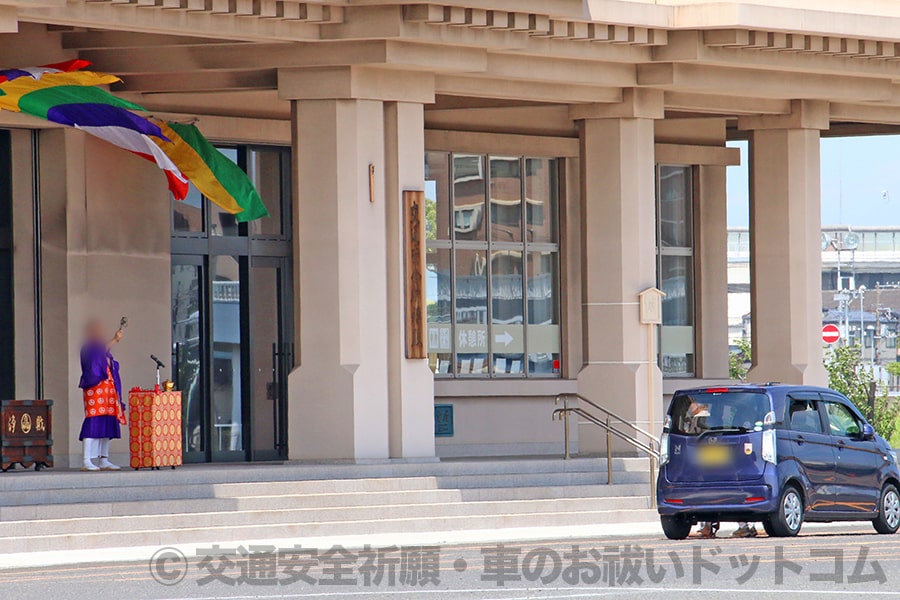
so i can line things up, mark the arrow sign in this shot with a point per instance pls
(830, 334)
(503, 338)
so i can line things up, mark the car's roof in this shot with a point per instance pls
(778, 389)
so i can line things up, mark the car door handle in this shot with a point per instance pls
(800, 440)
(840, 443)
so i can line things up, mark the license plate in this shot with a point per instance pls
(714, 456)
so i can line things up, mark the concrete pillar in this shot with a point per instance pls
(338, 395)
(619, 261)
(785, 227)
(411, 382)
(711, 269)
(354, 396)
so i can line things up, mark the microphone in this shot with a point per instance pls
(159, 364)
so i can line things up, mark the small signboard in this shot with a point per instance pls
(443, 420)
(414, 249)
(651, 306)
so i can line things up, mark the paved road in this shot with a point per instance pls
(837, 562)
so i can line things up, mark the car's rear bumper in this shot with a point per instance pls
(721, 498)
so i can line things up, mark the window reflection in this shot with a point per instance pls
(543, 313)
(675, 276)
(226, 378)
(541, 204)
(675, 197)
(468, 196)
(437, 196)
(508, 312)
(506, 199)
(266, 169)
(188, 213)
(186, 337)
(438, 290)
(471, 312)
(483, 282)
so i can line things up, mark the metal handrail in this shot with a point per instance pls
(611, 425)
(607, 412)
(645, 448)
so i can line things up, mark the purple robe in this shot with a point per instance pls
(95, 360)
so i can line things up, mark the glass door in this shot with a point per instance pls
(270, 356)
(188, 351)
(228, 375)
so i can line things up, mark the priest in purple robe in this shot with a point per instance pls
(104, 409)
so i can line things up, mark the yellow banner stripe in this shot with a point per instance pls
(20, 86)
(195, 169)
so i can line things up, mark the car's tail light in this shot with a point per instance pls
(769, 452)
(664, 442)
(754, 499)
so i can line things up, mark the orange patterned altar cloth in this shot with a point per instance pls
(155, 426)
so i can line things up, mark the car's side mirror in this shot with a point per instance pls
(868, 432)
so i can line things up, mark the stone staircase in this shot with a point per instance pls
(70, 510)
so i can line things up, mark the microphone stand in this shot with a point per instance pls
(159, 366)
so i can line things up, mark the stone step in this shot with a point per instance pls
(549, 492)
(216, 474)
(231, 502)
(242, 533)
(62, 516)
(306, 515)
(214, 503)
(85, 492)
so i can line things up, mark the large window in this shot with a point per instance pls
(493, 265)
(675, 272)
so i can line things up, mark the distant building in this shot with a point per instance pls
(851, 257)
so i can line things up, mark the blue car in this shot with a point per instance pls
(778, 454)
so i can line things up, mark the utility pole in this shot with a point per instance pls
(862, 322)
(876, 336)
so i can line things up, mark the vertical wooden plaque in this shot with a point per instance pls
(414, 259)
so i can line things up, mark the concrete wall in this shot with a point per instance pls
(502, 426)
(105, 229)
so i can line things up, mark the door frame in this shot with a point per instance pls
(201, 249)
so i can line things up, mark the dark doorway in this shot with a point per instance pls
(7, 316)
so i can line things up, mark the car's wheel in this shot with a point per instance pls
(788, 519)
(675, 527)
(888, 519)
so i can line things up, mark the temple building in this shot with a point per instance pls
(572, 155)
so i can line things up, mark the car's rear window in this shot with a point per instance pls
(729, 412)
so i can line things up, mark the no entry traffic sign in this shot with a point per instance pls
(831, 334)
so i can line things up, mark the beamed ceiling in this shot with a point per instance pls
(494, 70)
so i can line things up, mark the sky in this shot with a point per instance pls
(860, 182)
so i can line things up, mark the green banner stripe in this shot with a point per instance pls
(230, 176)
(39, 102)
